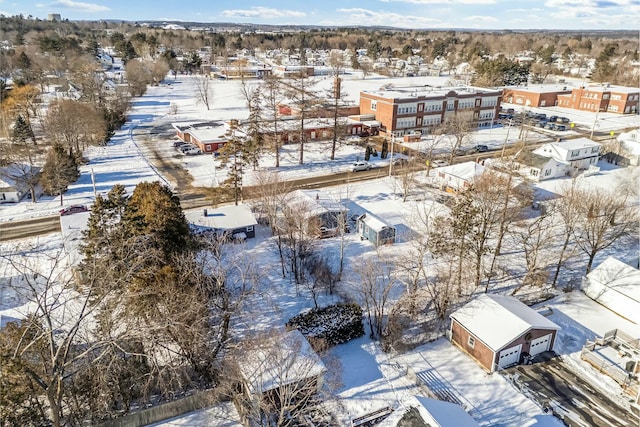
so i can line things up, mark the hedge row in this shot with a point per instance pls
(329, 326)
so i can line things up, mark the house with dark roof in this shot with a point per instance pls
(498, 331)
(535, 166)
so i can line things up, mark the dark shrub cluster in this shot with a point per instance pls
(329, 326)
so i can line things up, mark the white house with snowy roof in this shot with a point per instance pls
(459, 176)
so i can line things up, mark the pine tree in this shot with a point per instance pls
(155, 213)
(22, 131)
(234, 155)
(60, 170)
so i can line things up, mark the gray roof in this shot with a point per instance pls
(532, 159)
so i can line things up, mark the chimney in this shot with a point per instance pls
(205, 212)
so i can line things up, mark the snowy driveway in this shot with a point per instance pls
(554, 385)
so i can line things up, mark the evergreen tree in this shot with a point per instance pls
(155, 213)
(22, 131)
(60, 170)
(24, 62)
(385, 150)
(233, 154)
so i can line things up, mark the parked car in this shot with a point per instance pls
(192, 151)
(541, 123)
(177, 144)
(550, 126)
(73, 209)
(439, 163)
(563, 120)
(481, 148)
(360, 166)
(186, 147)
(561, 127)
(553, 118)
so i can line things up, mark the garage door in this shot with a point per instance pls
(509, 356)
(539, 345)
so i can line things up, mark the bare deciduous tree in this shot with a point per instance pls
(204, 89)
(604, 218)
(377, 278)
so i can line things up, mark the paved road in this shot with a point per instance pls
(555, 385)
(194, 197)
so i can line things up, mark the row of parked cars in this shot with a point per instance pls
(186, 148)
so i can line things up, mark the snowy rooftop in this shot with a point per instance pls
(618, 276)
(427, 91)
(374, 222)
(314, 202)
(279, 362)
(499, 319)
(223, 218)
(467, 171)
(548, 88)
(444, 414)
(572, 144)
(612, 88)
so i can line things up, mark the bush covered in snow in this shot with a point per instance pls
(329, 326)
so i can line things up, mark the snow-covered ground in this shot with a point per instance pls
(369, 378)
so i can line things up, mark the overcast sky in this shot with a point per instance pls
(481, 14)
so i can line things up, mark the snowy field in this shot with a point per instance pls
(369, 379)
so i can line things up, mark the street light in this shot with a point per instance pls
(393, 139)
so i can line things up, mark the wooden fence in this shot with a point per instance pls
(198, 400)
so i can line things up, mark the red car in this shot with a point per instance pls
(73, 209)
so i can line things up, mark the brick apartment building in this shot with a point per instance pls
(594, 98)
(408, 110)
(609, 98)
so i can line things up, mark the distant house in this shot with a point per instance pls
(283, 364)
(14, 181)
(423, 411)
(558, 159)
(375, 230)
(499, 331)
(460, 176)
(630, 147)
(236, 221)
(615, 285)
(209, 137)
(322, 215)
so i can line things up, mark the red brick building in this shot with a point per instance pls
(408, 110)
(600, 98)
(534, 95)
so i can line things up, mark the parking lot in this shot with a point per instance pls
(556, 387)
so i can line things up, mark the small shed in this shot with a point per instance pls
(233, 220)
(281, 365)
(499, 331)
(375, 230)
(615, 285)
